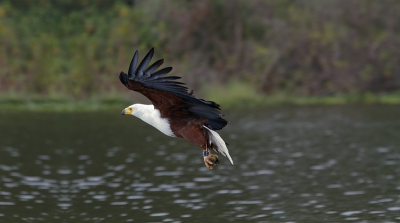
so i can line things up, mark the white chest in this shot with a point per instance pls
(153, 117)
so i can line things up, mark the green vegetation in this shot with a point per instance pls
(43, 103)
(237, 94)
(67, 54)
(232, 95)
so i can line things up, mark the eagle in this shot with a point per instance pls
(174, 111)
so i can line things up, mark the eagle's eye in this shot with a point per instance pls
(130, 109)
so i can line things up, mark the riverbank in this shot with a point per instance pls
(239, 95)
(231, 96)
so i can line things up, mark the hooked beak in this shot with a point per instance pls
(126, 111)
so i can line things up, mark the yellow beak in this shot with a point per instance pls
(127, 111)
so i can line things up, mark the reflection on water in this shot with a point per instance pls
(292, 164)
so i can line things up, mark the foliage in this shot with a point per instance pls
(76, 48)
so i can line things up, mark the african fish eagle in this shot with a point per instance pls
(174, 111)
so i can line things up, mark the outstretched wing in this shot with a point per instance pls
(166, 94)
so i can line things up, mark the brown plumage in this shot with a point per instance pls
(180, 113)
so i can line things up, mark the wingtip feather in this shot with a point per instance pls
(132, 66)
(123, 77)
(153, 67)
(160, 73)
(146, 60)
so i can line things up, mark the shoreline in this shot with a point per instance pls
(227, 101)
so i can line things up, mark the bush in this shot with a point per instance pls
(305, 47)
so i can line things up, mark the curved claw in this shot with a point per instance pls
(216, 161)
(211, 161)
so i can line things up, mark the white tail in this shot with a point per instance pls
(219, 144)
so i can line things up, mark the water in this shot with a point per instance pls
(292, 164)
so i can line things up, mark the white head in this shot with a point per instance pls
(131, 110)
(138, 110)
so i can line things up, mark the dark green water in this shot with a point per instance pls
(292, 164)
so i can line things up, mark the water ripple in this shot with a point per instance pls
(297, 166)
(6, 203)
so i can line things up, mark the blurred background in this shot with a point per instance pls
(311, 90)
(333, 51)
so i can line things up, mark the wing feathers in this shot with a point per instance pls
(153, 67)
(143, 64)
(132, 66)
(172, 78)
(160, 73)
(123, 78)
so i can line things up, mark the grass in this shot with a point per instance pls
(233, 95)
(60, 103)
(237, 94)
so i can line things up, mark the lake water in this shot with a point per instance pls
(292, 164)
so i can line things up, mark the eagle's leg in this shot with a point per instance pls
(210, 159)
(197, 135)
